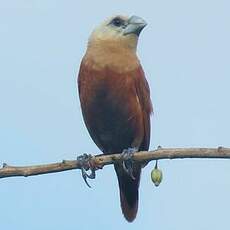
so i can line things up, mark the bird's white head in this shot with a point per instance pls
(118, 30)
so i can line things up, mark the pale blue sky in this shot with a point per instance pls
(185, 53)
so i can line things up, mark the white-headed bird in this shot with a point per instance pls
(115, 100)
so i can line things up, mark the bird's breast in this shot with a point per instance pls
(110, 108)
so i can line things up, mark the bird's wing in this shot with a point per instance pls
(143, 94)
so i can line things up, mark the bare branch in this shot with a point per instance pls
(102, 160)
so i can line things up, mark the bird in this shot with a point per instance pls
(115, 100)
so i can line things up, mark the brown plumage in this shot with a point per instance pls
(115, 98)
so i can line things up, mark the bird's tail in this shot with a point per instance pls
(128, 191)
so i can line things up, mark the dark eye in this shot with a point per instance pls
(117, 22)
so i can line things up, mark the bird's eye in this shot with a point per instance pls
(117, 22)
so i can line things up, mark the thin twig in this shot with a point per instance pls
(102, 160)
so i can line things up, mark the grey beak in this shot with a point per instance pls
(135, 25)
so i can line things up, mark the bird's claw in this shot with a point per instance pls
(86, 164)
(127, 161)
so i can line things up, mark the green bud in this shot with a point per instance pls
(156, 176)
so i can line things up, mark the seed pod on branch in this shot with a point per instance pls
(156, 175)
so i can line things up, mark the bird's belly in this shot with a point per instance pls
(114, 124)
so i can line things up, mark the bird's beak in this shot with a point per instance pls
(135, 25)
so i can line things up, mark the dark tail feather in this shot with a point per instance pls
(128, 191)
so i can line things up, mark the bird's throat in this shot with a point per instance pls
(111, 56)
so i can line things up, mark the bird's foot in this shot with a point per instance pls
(127, 161)
(86, 163)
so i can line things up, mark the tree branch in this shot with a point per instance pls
(102, 160)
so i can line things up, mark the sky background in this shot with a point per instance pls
(185, 52)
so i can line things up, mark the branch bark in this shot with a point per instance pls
(102, 160)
